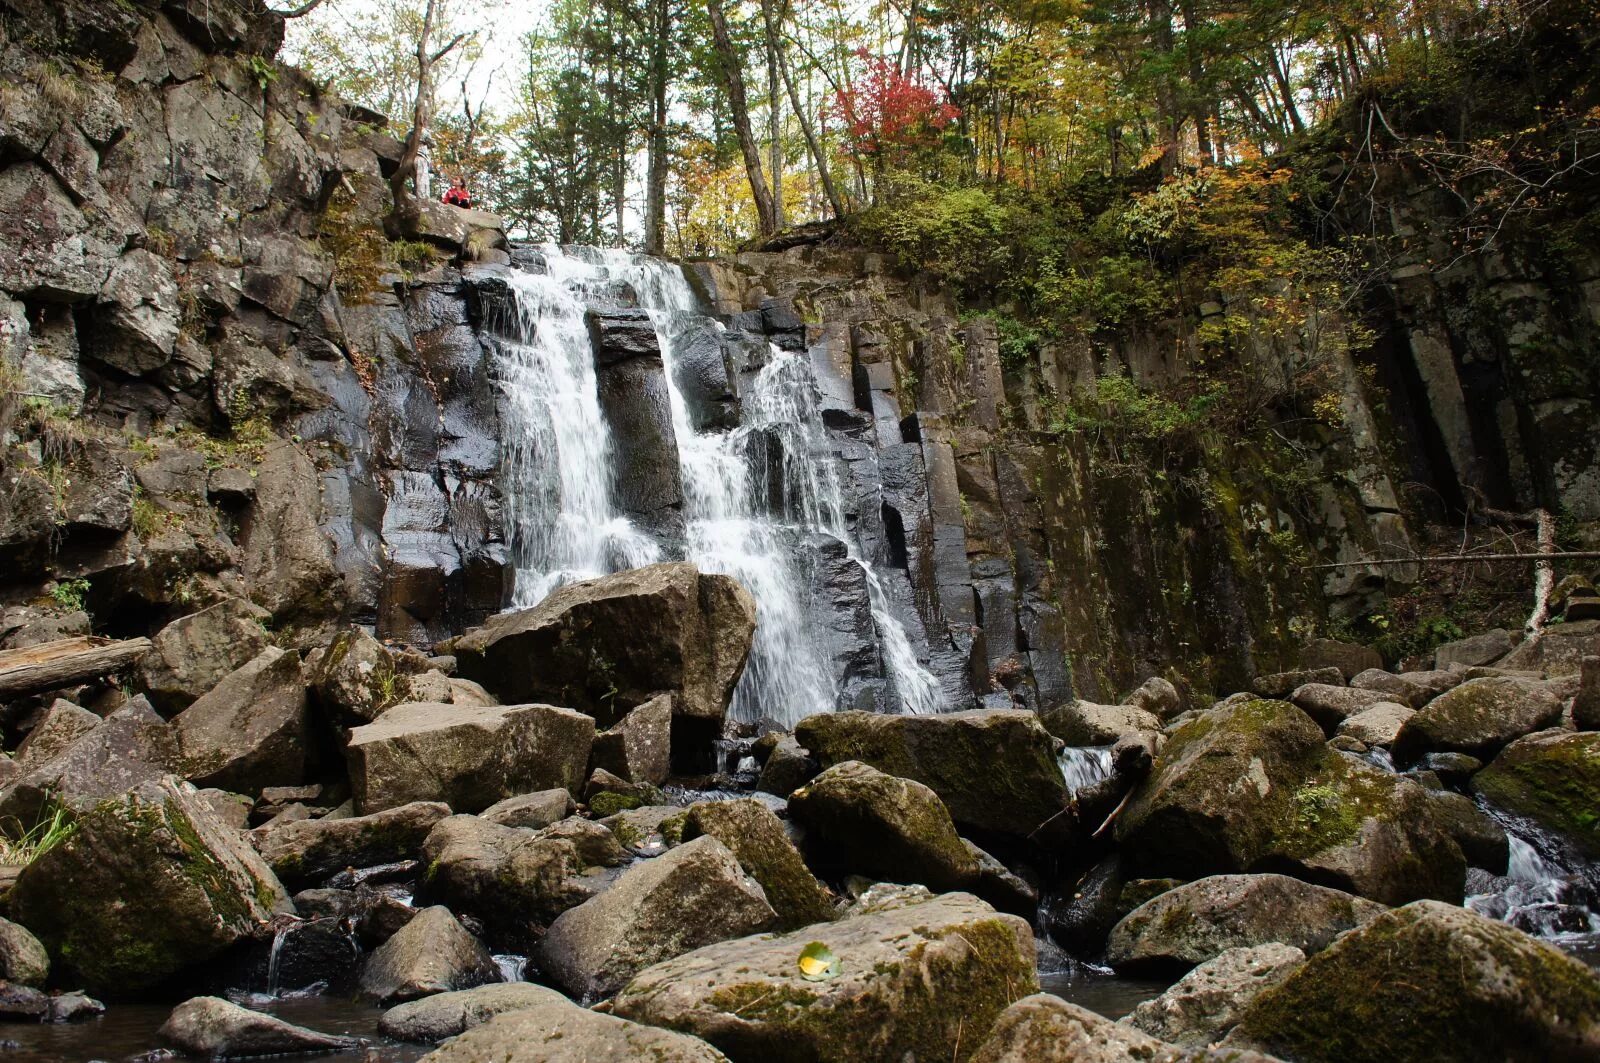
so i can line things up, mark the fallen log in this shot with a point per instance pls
(51, 665)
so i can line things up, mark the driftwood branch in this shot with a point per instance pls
(1467, 559)
(52, 665)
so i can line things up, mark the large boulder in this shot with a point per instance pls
(1083, 723)
(1553, 778)
(610, 644)
(434, 1018)
(1207, 1002)
(1376, 726)
(1350, 658)
(143, 887)
(134, 745)
(1251, 786)
(860, 820)
(433, 953)
(1331, 705)
(690, 896)
(757, 839)
(1475, 650)
(916, 981)
(62, 724)
(555, 1030)
(196, 652)
(1478, 718)
(514, 880)
(1430, 981)
(288, 558)
(994, 769)
(251, 730)
(308, 849)
(538, 809)
(214, 1028)
(1199, 921)
(468, 756)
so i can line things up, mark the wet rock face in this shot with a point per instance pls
(146, 886)
(604, 646)
(1425, 979)
(913, 981)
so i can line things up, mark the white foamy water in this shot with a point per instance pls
(558, 474)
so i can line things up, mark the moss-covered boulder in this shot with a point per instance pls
(144, 886)
(1206, 1003)
(859, 820)
(759, 842)
(920, 981)
(1430, 981)
(1250, 786)
(1199, 921)
(994, 769)
(1553, 778)
(1046, 1029)
(433, 953)
(1478, 718)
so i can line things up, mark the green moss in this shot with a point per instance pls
(1552, 780)
(607, 803)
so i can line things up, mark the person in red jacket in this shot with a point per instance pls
(457, 195)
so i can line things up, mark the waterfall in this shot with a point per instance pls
(558, 471)
(556, 452)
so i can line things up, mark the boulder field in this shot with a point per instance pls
(367, 819)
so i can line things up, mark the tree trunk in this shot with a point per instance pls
(774, 116)
(819, 157)
(1168, 113)
(407, 207)
(737, 103)
(655, 200)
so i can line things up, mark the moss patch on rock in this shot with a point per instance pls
(1552, 778)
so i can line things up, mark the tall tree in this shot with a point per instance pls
(733, 78)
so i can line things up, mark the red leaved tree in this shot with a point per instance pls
(889, 118)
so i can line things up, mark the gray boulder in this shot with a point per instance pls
(1482, 840)
(555, 1030)
(1350, 658)
(639, 747)
(1430, 981)
(1586, 703)
(760, 843)
(356, 678)
(1200, 920)
(133, 745)
(1158, 697)
(432, 1019)
(994, 769)
(1207, 1002)
(1282, 684)
(433, 953)
(62, 724)
(220, 1029)
(516, 881)
(1376, 726)
(1474, 650)
(1400, 688)
(196, 652)
(860, 820)
(145, 886)
(1047, 1029)
(467, 756)
(249, 731)
(1083, 723)
(534, 810)
(1478, 718)
(688, 897)
(916, 980)
(307, 849)
(1330, 705)
(23, 960)
(610, 644)
(787, 768)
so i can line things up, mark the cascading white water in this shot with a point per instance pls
(557, 449)
(558, 472)
(1084, 766)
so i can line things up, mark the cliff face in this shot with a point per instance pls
(214, 386)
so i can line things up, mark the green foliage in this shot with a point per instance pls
(70, 594)
(20, 846)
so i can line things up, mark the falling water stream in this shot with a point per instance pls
(565, 525)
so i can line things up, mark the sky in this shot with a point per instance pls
(499, 23)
